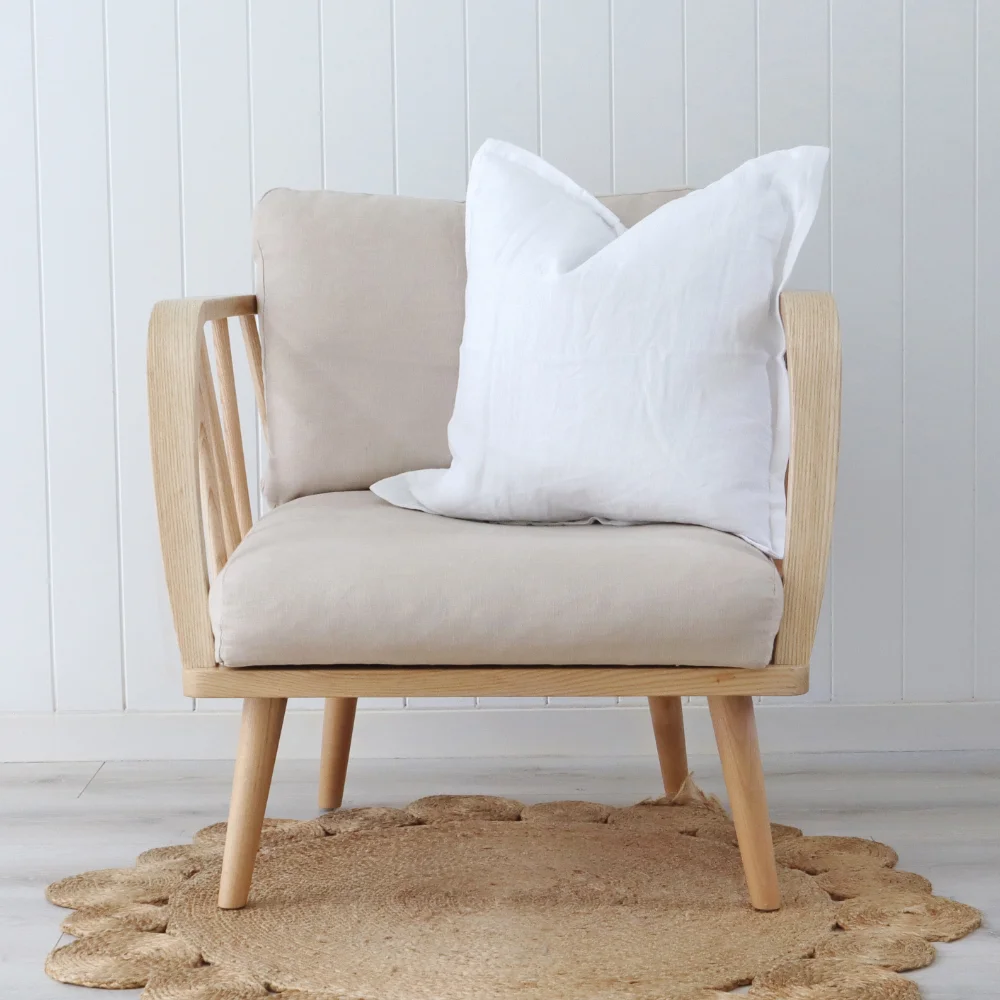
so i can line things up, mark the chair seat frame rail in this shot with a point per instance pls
(204, 510)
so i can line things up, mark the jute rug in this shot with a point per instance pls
(480, 898)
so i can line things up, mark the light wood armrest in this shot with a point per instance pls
(813, 355)
(198, 463)
(194, 453)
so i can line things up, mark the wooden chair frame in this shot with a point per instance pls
(203, 504)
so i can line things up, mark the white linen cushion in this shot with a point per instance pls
(624, 376)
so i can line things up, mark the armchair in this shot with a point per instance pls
(205, 516)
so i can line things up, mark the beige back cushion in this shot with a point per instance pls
(361, 302)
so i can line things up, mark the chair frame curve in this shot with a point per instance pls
(203, 508)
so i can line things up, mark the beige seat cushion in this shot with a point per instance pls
(362, 300)
(346, 578)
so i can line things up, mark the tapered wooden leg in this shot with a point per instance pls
(338, 727)
(736, 736)
(668, 729)
(259, 735)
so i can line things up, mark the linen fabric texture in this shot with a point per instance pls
(361, 305)
(342, 578)
(623, 375)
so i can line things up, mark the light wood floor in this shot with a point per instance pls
(940, 811)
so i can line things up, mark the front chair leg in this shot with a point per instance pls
(259, 735)
(736, 736)
(668, 729)
(338, 727)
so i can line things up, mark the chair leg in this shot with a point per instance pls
(668, 729)
(259, 735)
(736, 736)
(338, 727)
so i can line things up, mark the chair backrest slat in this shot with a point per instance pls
(215, 543)
(232, 437)
(251, 339)
(221, 479)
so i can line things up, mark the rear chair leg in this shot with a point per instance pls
(736, 736)
(259, 735)
(668, 729)
(338, 727)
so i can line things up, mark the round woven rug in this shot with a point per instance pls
(473, 897)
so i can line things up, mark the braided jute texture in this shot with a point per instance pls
(481, 898)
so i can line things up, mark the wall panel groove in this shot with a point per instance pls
(79, 357)
(140, 135)
(25, 621)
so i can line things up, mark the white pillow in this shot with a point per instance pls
(623, 376)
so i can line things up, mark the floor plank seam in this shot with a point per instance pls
(94, 775)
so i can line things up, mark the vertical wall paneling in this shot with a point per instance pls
(431, 124)
(502, 39)
(215, 146)
(216, 170)
(648, 93)
(287, 121)
(358, 99)
(146, 261)
(866, 179)
(794, 106)
(286, 115)
(793, 44)
(431, 145)
(988, 356)
(138, 135)
(721, 73)
(286, 95)
(720, 87)
(575, 89)
(79, 353)
(24, 610)
(938, 358)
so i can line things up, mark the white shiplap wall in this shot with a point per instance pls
(136, 137)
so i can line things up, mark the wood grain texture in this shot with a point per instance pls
(813, 356)
(739, 751)
(793, 70)
(178, 366)
(668, 730)
(217, 165)
(222, 484)
(211, 513)
(259, 735)
(444, 682)
(338, 728)
(173, 365)
(255, 358)
(230, 413)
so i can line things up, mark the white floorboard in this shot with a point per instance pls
(941, 811)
